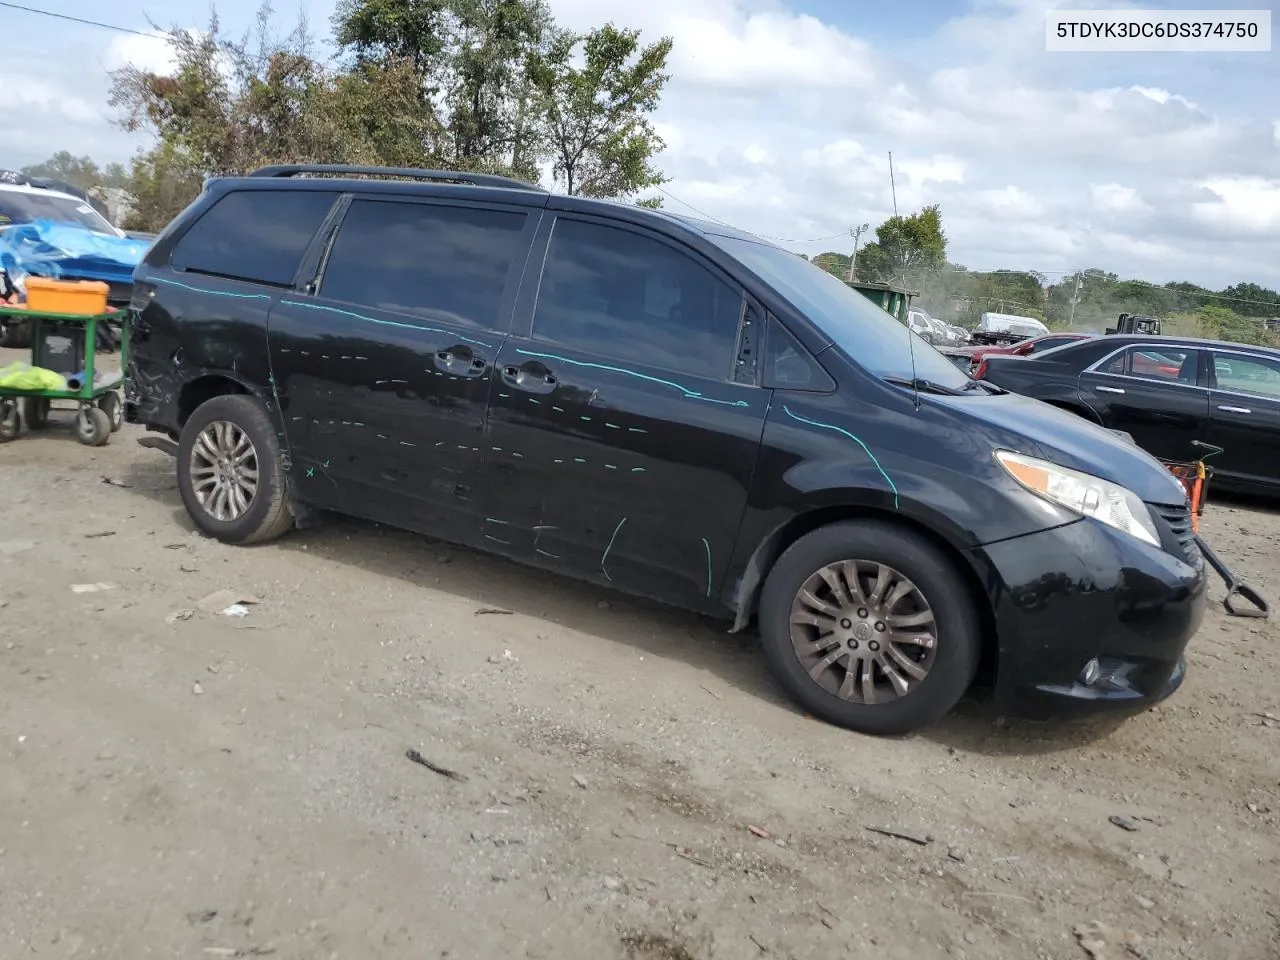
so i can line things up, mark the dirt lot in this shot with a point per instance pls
(180, 784)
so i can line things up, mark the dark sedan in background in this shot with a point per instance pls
(1166, 392)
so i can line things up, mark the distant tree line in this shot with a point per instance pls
(911, 251)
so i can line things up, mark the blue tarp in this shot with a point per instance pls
(68, 251)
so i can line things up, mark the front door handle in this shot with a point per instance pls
(531, 378)
(459, 361)
(1109, 390)
(1235, 409)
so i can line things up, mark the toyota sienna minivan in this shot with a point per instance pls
(667, 407)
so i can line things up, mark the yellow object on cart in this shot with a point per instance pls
(23, 376)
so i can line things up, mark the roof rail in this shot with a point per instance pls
(447, 176)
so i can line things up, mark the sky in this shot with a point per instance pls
(780, 118)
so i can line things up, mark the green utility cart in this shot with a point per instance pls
(64, 343)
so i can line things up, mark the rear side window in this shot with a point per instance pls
(618, 294)
(446, 263)
(1168, 363)
(254, 235)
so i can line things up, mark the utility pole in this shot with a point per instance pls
(1075, 298)
(893, 185)
(856, 233)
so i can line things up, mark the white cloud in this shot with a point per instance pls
(768, 49)
(1117, 198)
(781, 122)
(1243, 205)
(152, 52)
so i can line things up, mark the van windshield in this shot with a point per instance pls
(871, 337)
(22, 207)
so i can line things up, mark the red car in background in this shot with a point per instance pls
(1022, 348)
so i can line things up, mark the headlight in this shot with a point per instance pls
(1087, 495)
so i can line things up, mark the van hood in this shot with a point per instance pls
(1071, 441)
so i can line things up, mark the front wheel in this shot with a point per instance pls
(93, 427)
(230, 472)
(870, 626)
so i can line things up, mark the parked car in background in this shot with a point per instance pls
(47, 230)
(1166, 392)
(918, 323)
(664, 406)
(1023, 348)
(932, 329)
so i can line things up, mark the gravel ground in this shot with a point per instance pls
(628, 782)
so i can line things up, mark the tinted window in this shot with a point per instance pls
(1247, 374)
(876, 340)
(1168, 363)
(1049, 344)
(447, 263)
(628, 297)
(256, 235)
(788, 364)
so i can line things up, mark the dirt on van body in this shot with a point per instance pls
(595, 777)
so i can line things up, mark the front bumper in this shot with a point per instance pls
(1065, 596)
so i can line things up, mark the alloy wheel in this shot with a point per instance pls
(224, 470)
(863, 631)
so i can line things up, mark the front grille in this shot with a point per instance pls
(1177, 521)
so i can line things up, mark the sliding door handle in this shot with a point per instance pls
(1109, 390)
(1235, 409)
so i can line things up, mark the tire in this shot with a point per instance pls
(109, 403)
(949, 666)
(93, 427)
(15, 335)
(267, 514)
(10, 423)
(35, 412)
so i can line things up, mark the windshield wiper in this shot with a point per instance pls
(923, 386)
(984, 385)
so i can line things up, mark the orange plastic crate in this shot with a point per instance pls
(83, 297)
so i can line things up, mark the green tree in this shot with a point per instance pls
(595, 92)
(80, 172)
(382, 31)
(1220, 323)
(469, 60)
(1251, 300)
(907, 249)
(836, 264)
(161, 183)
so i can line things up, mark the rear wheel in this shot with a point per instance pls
(109, 403)
(9, 423)
(230, 471)
(869, 626)
(35, 411)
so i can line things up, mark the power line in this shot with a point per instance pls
(87, 23)
(762, 236)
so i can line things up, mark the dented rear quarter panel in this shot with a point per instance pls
(192, 329)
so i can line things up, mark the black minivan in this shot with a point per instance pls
(668, 407)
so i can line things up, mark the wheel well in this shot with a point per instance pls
(201, 389)
(1077, 408)
(769, 552)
